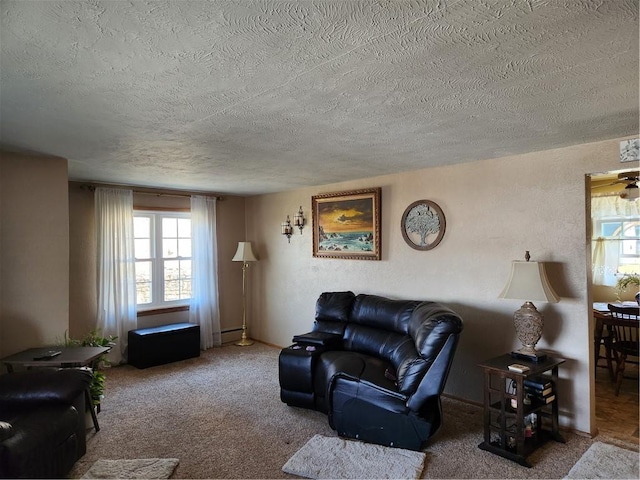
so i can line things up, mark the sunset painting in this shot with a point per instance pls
(346, 225)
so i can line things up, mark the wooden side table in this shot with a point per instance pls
(505, 432)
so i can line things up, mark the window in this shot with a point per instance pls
(616, 239)
(625, 234)
(163, 258)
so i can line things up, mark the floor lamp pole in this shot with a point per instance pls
(244, 341)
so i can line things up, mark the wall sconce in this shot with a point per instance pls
(298, 219)
(286, 229)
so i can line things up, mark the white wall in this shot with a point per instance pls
(34, 251)
(495, 210)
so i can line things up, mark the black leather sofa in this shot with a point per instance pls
(376, 366)
(42, 422)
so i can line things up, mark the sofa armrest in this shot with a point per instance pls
(330, 341)
(432, 384)
(35, 387)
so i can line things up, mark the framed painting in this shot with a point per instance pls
(347, 225)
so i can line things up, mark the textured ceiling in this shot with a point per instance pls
(251, 97)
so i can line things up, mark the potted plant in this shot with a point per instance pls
(627, 280)
(94, 339)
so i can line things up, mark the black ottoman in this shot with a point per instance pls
(164, 344)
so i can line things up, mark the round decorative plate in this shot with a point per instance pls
(423, 225)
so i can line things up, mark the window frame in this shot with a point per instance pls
(157, 260)
(620, 238)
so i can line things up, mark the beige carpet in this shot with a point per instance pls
(606, 461)
(139, 468)
(221, 415)
(330, 457)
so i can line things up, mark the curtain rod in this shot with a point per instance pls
(143, 191)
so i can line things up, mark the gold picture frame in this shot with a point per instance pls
(347, 225)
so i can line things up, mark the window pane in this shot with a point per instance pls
(171, 269)
(185, 269)
(185, 288)
(169, 227)
(141, 227)
(142, 248)
(184, 247)
(611, 229)
(171, 280)
(629, 247)
(184, 227)
(631, 229)
(171, 290)
(143, 283)
(169, 248)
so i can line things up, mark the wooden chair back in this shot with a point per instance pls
(624, 322)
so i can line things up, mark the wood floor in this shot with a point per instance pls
(618, 416)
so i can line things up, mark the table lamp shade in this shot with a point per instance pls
(244, 253)
(528, 281)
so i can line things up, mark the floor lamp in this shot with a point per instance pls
(245, 255)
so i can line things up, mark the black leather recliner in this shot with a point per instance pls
(376, 366)
(42, 422)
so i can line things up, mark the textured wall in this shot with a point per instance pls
(495, 210)
(34, 253)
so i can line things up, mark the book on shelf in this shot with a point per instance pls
(540, 382)
(538, 392)
(546, 400)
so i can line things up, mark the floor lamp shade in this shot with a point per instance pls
(244, 254)
(528, 281)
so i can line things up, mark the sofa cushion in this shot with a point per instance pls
(334, 306)
(383, 313)
(356, 365)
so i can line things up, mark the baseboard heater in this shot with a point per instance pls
(229, 330)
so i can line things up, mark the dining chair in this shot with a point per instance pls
(624, 323)
(603, 337)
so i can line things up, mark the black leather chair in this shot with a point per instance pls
(42, 422)
(376, 366)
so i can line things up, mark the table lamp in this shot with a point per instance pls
(528, 281)
(244, 254)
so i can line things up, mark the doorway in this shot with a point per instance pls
(615, 227)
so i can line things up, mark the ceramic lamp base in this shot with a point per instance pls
(534, 356)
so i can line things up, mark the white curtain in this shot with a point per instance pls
(606, 251)
(116, 267)
(204, 306)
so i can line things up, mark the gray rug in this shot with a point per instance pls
(332, 457)
(602, 460)
(149, 468)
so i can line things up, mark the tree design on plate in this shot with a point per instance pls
(423, 225)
